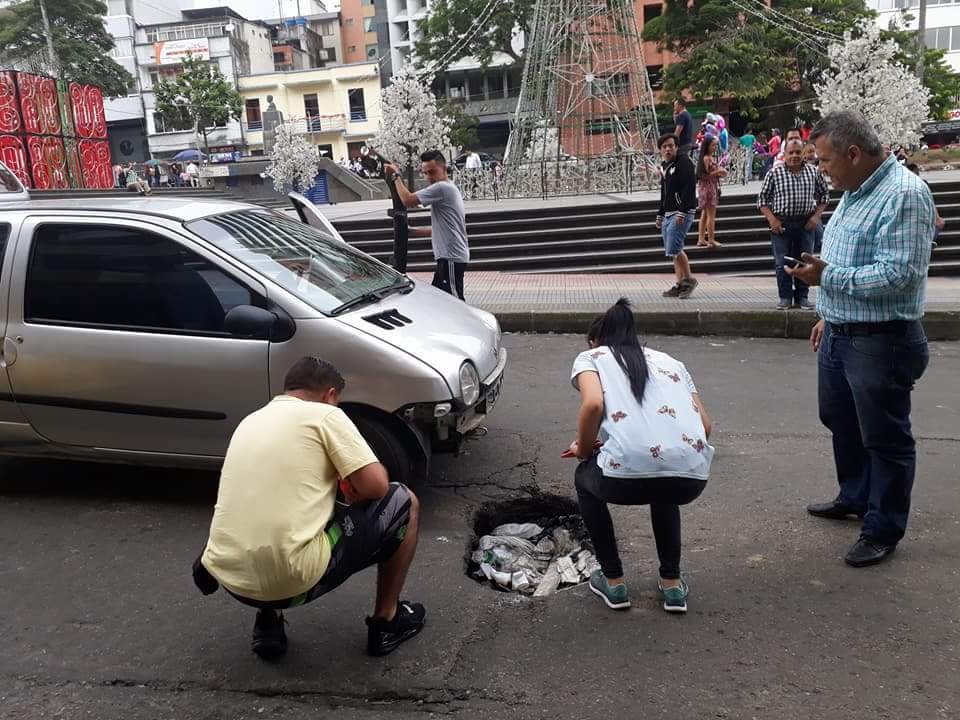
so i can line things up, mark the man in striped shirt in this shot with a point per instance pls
(871, 344)
(792, 199)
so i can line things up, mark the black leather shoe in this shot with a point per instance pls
(835, 510)
(868, 552)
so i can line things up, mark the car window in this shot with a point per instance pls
(125, 278)
(303, 259)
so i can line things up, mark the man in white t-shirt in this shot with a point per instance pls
(194, 172)
(473, 161)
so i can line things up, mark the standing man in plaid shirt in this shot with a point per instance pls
(792, 199)
(871, 343)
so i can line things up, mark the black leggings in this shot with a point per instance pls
(664, 495)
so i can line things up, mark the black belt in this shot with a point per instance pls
(890, 327)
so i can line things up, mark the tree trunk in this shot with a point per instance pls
(410, 171)
(54, 64)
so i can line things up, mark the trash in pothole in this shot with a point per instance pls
(532, 546)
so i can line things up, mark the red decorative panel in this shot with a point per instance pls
(9, 108)
(48, 162)
(13, 155)
(73, 162)
(95, 168)
(88, 116)
(39, 103)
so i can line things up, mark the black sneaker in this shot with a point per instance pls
(687, 288)
(672, 292)
(269, 635)
(384, 637)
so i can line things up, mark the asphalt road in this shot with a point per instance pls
(99, 618)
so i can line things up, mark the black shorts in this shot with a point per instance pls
(360, 535)
(449, 276)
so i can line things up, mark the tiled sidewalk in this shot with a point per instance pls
(573, 293)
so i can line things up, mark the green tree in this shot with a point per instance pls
(478, 28)
(80, 41)
(463, 127)
(200, 97)
(938, 76)
(746, 51)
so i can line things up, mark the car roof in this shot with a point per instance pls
(181, 209)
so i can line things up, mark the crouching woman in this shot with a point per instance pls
(642, 440)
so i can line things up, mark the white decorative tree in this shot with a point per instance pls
(412, 123)
(864, 76)
(544, 143)
(293, 159)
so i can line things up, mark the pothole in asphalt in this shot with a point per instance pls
(531, 545)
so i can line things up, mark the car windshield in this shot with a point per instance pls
(309, 263)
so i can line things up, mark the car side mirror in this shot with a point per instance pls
(256, 323)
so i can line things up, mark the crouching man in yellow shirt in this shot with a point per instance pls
(275, 540)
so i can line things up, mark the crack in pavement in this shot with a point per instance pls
(432, 700)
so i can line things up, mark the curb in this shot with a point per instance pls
(939, 324)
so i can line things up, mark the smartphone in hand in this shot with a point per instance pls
(791, 262)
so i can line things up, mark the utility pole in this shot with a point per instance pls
(54, 65)
(921, 39)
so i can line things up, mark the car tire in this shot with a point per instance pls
(389, 449)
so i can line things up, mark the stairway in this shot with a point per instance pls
(619, 238)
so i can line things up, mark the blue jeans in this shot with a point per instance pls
(864, 385)
(674, 235)
(794, 241)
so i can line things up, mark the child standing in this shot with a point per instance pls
(709, 173)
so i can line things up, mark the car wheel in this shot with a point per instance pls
(389, 449)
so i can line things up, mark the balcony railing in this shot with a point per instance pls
(311, 124)
(358, 116)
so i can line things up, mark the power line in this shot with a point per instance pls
(796, 21)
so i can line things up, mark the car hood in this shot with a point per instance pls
(443, 331)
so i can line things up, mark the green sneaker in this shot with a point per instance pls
(615, 597)
(675, 598)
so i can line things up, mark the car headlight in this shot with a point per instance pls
(469, 383)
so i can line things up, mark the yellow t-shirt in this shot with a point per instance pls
(277, 492)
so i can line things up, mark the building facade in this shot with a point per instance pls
(218, 35)
(359, 30)
(336, 108)
(489, 94)
(942, 23)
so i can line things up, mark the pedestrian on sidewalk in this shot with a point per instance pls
(448, 222)
(683, 126)
(678, 203)
(792, 199)
(871, 343)
(747, 141)
(709, 173)
(642, 436)
(280, 536)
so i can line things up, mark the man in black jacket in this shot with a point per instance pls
(678, 202)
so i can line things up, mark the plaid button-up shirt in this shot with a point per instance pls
(790, 194)
(877, 247)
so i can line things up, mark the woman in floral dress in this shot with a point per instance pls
(642, 440)
(709, 173)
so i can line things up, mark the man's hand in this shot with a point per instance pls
(810, 272)
(679, 218)
(812, 222)
(659, 222)
(389, 170)
(776, 227)
(816, 335)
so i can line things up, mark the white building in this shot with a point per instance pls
(942, 23)
(489, 95)
(125, 115)
(236, 45)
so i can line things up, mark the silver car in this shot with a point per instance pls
(144, 330)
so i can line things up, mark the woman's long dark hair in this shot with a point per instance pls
(701, 161)
(619, 333)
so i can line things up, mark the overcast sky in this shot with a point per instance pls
(262, 9)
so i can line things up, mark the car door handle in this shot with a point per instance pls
(8, 356)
